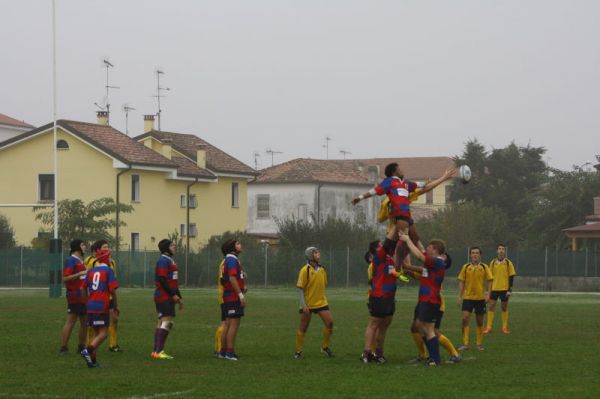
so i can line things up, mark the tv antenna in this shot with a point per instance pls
(326, 146)
(256, 156)
(107, 64)
(158, 96)
(126, 109)
(344, 153)
(272, 152)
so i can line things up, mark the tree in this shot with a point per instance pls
(563, 202)
(7, 233)
(466, 224)
(506, 178)
(90, 222)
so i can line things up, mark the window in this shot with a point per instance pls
(302, 212)
(193, 201)
(135, 242)
(46, 187)
(193, 230)
(447, 192)
(262, 206)
(182, 229)
(235, 195)
(429, 197)
(62, 145)
(182, 200)
(135, 188)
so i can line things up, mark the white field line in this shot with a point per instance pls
(163, 395)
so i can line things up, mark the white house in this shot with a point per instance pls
(10, 127)
(313, 190)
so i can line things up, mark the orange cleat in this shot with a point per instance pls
(505, 331)
(487, 330)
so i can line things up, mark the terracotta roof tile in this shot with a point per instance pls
(353, 171)
(185, 167)
(117, 144)
(7, 120)
(216, 159)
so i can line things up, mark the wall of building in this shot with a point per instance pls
(288, 200)
(87, 174)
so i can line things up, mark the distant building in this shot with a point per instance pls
(591, 228)
(10, 127)
(190, 187)
(311, 189)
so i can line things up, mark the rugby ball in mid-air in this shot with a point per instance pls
(465, 173)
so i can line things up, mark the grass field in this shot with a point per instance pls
(554, 351)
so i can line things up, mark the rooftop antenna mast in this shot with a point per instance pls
(326, 146)
(272, 152)
(256, 156)
(126, 109)
(344, 153)
(107, 64)
(158, 96)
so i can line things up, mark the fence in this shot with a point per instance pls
(25, 267)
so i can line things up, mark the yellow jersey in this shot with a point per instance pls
(384, 211)
(502, 270)
(474, 278)
(90, 262)
(313, 283)
(219, 281)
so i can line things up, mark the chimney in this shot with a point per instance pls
(167, 145)
(201, 156)
(597, 206)
(148, 123)
(102, 118)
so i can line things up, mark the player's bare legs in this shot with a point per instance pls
(67, 329)
(233, 324)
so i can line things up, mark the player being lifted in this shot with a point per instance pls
(101, 285)
(312, 280)
(399, 193)
(166, 295)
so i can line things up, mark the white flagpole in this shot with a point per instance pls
(54, 118)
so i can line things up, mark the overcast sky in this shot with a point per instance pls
(381, 78)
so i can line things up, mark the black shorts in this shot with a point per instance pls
(438, 322)
(223, 313)
(232, 310)
(111, 304)
(166, 308)
(478, 306)
(77, 308)
(495, 295)
(98, 320)
(407, 219)
(317, 310)
(428, 312)
(381, 307)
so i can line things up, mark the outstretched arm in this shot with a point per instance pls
(430, 185)
(368, 194)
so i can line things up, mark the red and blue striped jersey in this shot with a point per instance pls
(383, 281)
(431, 282)
(167, 268)
(74, 288)
(100, 280)
(232, 268)
(398, 191)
